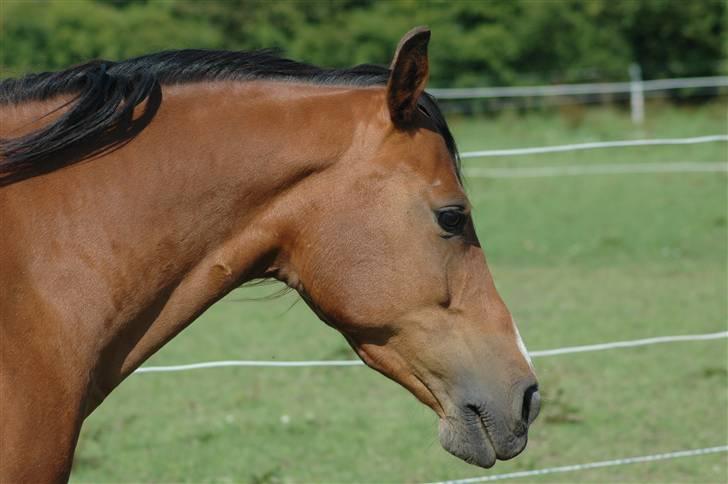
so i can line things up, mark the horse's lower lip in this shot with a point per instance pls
(487, 446)
(482, 425)
(488, 441)
(503, 453)
(486, 433)
(461, 437)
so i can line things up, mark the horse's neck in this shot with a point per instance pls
(153, 233)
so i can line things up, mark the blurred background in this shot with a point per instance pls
(475, 42)
(586, 246)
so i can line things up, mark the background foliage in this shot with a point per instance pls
(477, 42)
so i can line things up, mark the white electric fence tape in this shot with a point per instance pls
(578, 89)
(594, 145)
(591, 465)
(534, 354)
(610, 169)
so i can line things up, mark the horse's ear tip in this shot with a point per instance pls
(416, 39)
(421, 31)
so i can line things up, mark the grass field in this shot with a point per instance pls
(579, 260)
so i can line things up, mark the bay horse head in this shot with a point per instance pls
(136, 194)
(390, 258)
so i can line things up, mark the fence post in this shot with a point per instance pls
(636, 95)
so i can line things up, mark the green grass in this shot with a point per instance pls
(578, 259)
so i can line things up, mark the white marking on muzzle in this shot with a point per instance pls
(521, 346)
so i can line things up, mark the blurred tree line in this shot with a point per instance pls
(475, 42)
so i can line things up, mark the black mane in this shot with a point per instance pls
(107, 92)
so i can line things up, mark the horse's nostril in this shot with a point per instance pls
(531, 404)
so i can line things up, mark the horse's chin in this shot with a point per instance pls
(467, 441)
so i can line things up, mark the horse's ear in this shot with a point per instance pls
(408, 76)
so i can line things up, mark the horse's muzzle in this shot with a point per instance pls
(481, 432)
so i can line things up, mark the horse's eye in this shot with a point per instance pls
(452, 220)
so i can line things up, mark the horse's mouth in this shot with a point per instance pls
(475, 436)
(481, 420)
(468, 438)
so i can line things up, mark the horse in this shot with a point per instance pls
(136, 194)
